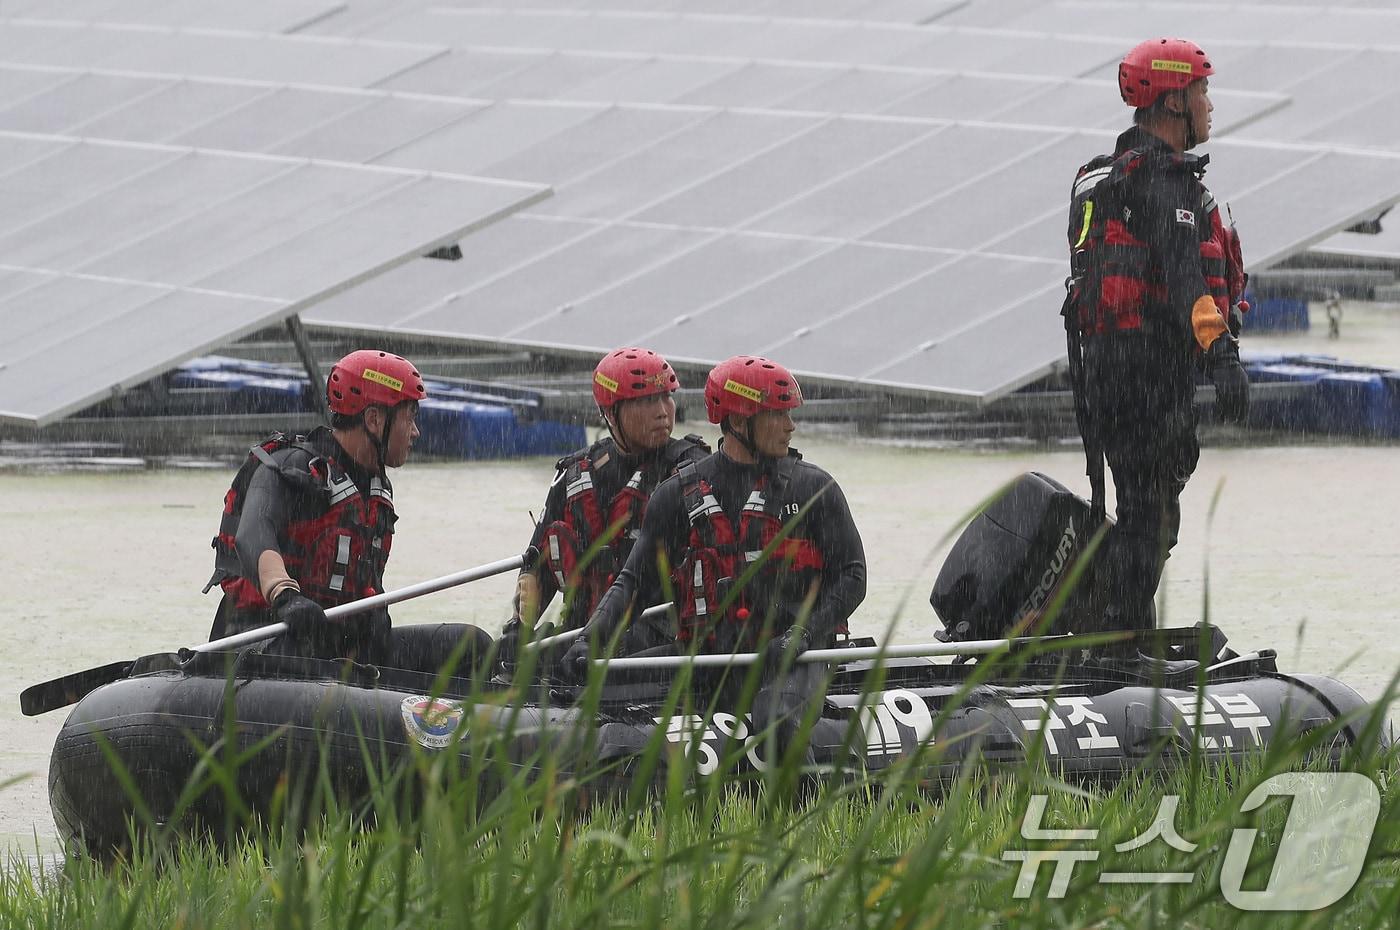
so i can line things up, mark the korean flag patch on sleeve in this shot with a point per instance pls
(1185, 217)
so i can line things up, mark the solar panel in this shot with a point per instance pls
(1247, 23)
(845, 90)
(820, 154)
(1383, 245)
(634, 178)
(550, 285)
(253, 56)
(817, 286)
(356, 15)
(73, 102)
(376, 130)
(872, 190)
(253, 15)
(459, 72)
(659, 80)
(488, 136)
(165, 109)
(137, 256)
(671, 292)
(592, 145)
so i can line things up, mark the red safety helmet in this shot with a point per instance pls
(369, 377)
(1157, 66)
(631, 372)
(746, 384)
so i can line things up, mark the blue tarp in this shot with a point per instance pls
(1341, 398)
(455, 421)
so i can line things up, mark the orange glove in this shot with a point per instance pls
(1206, 322)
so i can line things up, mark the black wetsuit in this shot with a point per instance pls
(611, 470)
(1141, 387)
(785, 697)
(828, 524)
(271, 504)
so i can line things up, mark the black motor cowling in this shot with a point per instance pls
(1006, 567)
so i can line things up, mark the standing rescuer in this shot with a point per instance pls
(755, 508)
(1154, 296)
(309, 522)
(594, 508)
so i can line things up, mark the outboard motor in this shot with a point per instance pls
(1007, 566)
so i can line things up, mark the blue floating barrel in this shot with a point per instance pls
(465, 430)
(1275, 314)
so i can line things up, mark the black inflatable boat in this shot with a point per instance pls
(295, 719)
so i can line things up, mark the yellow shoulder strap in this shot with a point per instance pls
(1088, 218)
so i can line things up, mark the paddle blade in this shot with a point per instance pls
(69, 689)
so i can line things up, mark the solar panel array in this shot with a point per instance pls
(880, 203)
(872, 191)
(138, 226)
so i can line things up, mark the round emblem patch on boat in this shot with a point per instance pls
(431, 722)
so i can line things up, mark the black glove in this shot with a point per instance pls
(1235, 321)
(508, 646)
(1231, 382)
(301, 614)
(574, 664)
(794, 640)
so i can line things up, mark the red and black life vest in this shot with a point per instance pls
(1115, 284)
(336, 556)
(608, 528)
(719, 554)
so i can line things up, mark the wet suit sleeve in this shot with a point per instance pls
(1173, 211)
(663, 531)
(538, 582)
(843, 571)
(267, 510)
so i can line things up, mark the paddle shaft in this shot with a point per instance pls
(973, 647)
(370, 603)
(69, 689)
(569, 636)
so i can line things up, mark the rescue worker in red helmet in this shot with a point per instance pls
(1155, 296)
(754, 501)
(599, 495)
(309, 522)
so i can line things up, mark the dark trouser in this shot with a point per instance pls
(369, 639)
(427, 647)
(1142, 397)
(783, 702)
(645, 633)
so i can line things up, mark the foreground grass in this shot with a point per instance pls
(884, 854)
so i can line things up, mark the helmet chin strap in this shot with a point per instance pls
(381, 442)
(745, 439)
(1192, 138)
(618, 437)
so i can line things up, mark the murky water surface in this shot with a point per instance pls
(1303, 549)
